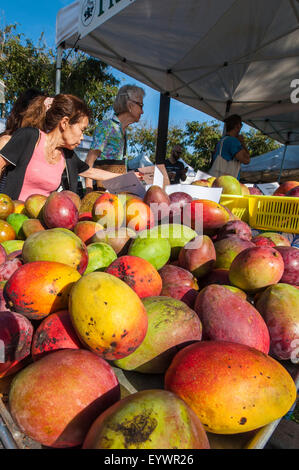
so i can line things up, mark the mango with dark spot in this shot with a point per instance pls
(171, 325)
(55, 400)
(138, 273)
(39, 288)
(151, 419)
(105, 307)
(232, 387)
(55, 332)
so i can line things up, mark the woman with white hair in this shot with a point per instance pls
(108, 148)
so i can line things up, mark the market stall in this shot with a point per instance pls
(129, 303)
(220, 57)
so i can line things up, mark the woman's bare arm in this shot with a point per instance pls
(90, 159)
(97, 174)
(3, 164)
(3, 140)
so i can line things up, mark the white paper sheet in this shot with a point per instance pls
(201, 175)
(125, 183)
(196, 192)
(158, 178)
(268, 188)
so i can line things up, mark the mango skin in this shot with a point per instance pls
(231, 387)
(108, 316)
(39, 288)
(171, 323)
(151, 419)
(177, 234)
(56, 244)
(256, 268)
(55, 400)
(227, 317)
(150, 246)
(279, 306)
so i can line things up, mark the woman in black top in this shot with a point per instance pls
(64, 123)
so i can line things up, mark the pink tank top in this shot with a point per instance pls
(41, 177)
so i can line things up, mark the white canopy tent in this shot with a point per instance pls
(219, 56)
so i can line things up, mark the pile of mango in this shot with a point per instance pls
(165, 285)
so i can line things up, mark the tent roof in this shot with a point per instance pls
(289, 155)
(205, 54)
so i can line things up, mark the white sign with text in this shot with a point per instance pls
(268, 188)
(93, 13)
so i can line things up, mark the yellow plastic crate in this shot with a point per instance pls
(238, 205)
(275, 213)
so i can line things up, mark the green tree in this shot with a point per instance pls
(258, 143)
(202, 139)
(25, 65)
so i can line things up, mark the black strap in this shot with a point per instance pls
(125, 145)
(125, 137)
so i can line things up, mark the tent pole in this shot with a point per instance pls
(283, 157)
(58, 69)
(162, 128)
(227, 110)
(284, 154)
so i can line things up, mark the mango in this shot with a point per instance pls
(34, 205)
(56, 399)
(88, 201)
(228, 248)
(100, 256)
(279, 306)
(179, 283)
(229, 183)
(108, 316)
(178, 236)
(53, 333)
(108, 211)
(231, 387)
(16, 333)
(159, 202)
(276, 238)
(40, 288)
(225, 316)
(138, 273)
(205, 215)
(60, 211)
(151, 419)
(139, 215)
(120, 239)
(58, 244)
(198, 256)
(255, 268)
(151, 247)
(171, 324)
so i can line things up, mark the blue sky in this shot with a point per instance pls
(34, 17)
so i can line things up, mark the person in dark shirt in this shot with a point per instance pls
(176, 170)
